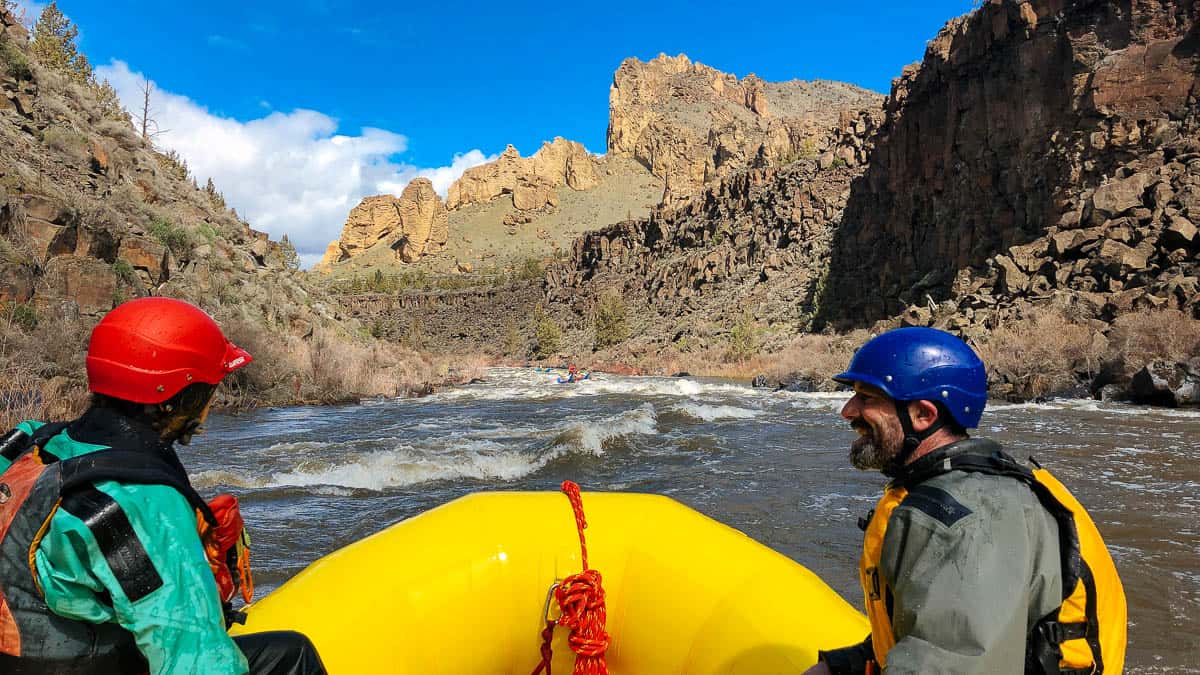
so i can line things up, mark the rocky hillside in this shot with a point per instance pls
(92, 215)
(1041, 148)
(673, 124)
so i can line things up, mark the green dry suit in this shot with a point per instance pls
(123, 564)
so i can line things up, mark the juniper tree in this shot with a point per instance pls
(53, 45)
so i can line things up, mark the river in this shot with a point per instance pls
(313, 479)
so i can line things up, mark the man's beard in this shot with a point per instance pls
(879, 448)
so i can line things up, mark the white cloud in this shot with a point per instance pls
(286, 173)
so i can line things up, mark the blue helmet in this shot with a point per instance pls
(923, 364)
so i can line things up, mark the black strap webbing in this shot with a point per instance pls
(118, 541)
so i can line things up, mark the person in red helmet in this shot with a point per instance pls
(110, 562)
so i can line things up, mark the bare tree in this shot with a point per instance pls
(146, 122)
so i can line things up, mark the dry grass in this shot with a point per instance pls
(41, 366)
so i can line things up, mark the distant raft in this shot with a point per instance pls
(463, 589)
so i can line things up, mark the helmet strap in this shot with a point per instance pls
(912, 437)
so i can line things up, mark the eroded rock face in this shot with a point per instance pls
(1042, 147)
(555, 164)
(413, 224)
(691, 124)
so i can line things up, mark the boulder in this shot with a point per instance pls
(1179, 233)
(1117, 196)
(47, 239)
(1167, 383)
(1012, 280)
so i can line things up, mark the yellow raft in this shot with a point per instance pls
(461, 589)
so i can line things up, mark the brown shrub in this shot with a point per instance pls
(1040, 353)
(813, 356)
(1153, 335)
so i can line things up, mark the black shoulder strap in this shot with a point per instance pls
(16, 442)
(998, 463)
(128, 466)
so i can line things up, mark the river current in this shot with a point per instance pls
(772, 464)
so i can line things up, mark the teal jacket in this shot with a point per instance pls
(180, 626)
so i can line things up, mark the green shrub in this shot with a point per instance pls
(16, 64)
(514, 344)
(25, 316)
(531, 270)
(171, 235)
(123, 271)
(207, 232)
(547, 335)
(610, 322)
(743, 339)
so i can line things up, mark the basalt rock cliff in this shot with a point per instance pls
(1043, 150)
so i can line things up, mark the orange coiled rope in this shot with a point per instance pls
(581, 603)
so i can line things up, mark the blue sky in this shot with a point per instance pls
(440, 80)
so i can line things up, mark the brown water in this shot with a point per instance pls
(772, 465)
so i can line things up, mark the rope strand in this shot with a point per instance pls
(581, 603)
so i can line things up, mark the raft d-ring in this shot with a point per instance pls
(546, 607)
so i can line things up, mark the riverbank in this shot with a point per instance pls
(43, 373)
(1147, 356)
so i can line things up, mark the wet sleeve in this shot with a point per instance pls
(960, 604)
(156, 583)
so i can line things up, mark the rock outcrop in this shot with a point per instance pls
(691, 124)
(756, 239)
(531, 181)
(413, 224)
(1041, 149)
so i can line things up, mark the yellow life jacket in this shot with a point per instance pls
(1086, 634)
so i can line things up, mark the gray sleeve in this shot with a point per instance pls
(960, 582)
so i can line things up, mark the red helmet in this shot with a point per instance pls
(147, 350)
(572, 368)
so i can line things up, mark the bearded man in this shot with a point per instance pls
(967, 555)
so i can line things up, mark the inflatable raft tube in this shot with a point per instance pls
(461, 589)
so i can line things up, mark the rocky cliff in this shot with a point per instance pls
(691, 124)
(530, 180)
(1042, 149)
(412, 225)
(673, 126)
